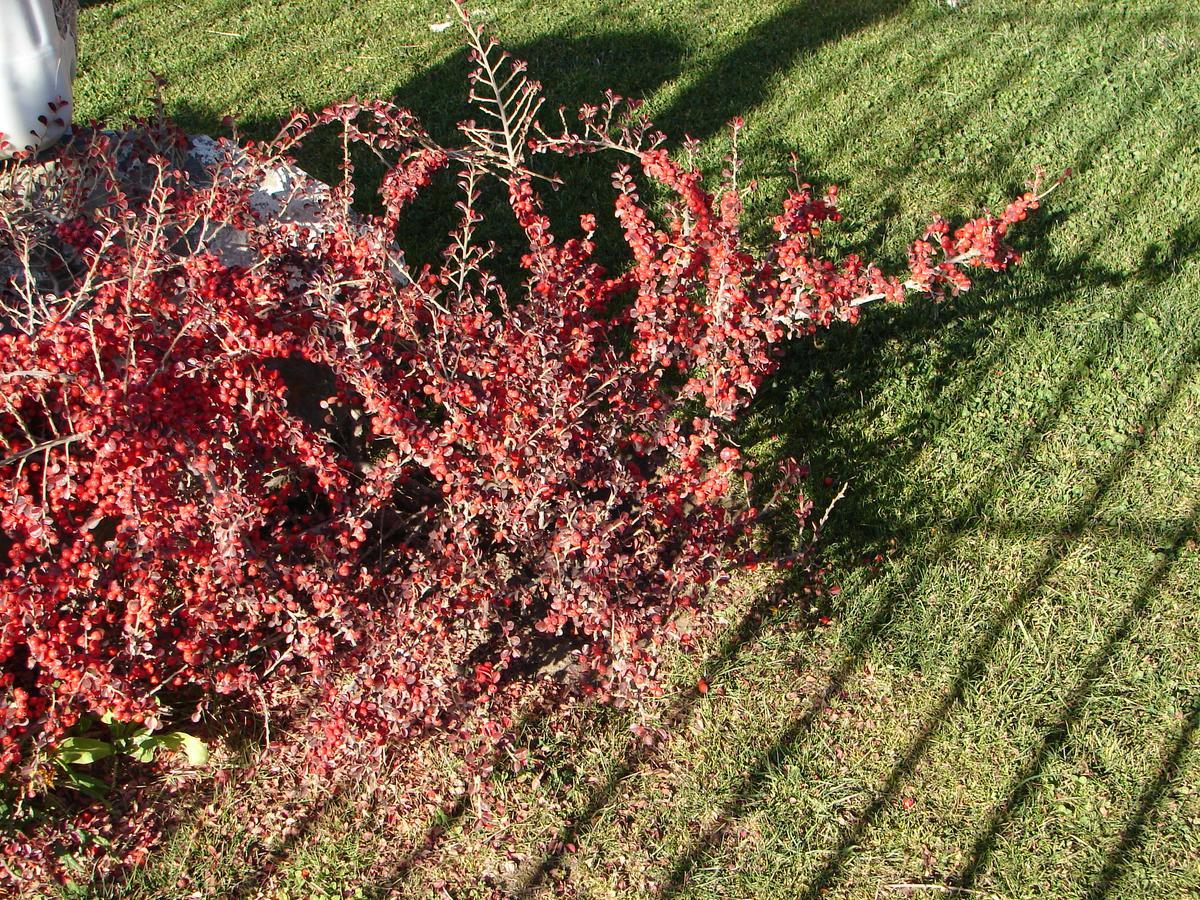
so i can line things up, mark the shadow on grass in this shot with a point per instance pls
(818, 389)
(637, 754)
(574, 70)
(741, 78)
(832, 388)
(786, 742)
(1072, 276)
(1133, 833)
(1024, 783)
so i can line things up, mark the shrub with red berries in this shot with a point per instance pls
(222, 472)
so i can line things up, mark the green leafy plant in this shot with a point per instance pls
(130, 739)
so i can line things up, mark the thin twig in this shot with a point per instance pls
(44, 446)
(832, 504)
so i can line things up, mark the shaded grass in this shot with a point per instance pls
(1008, 702)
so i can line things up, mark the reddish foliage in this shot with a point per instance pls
(179, 524)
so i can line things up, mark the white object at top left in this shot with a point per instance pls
(37, 69)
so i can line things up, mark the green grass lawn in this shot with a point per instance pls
(1006, 705)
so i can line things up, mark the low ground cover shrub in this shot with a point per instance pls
(228, 474)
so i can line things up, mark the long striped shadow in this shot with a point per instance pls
(976, 663)
(751, 786)
(1133, 834)
(1023, 786)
